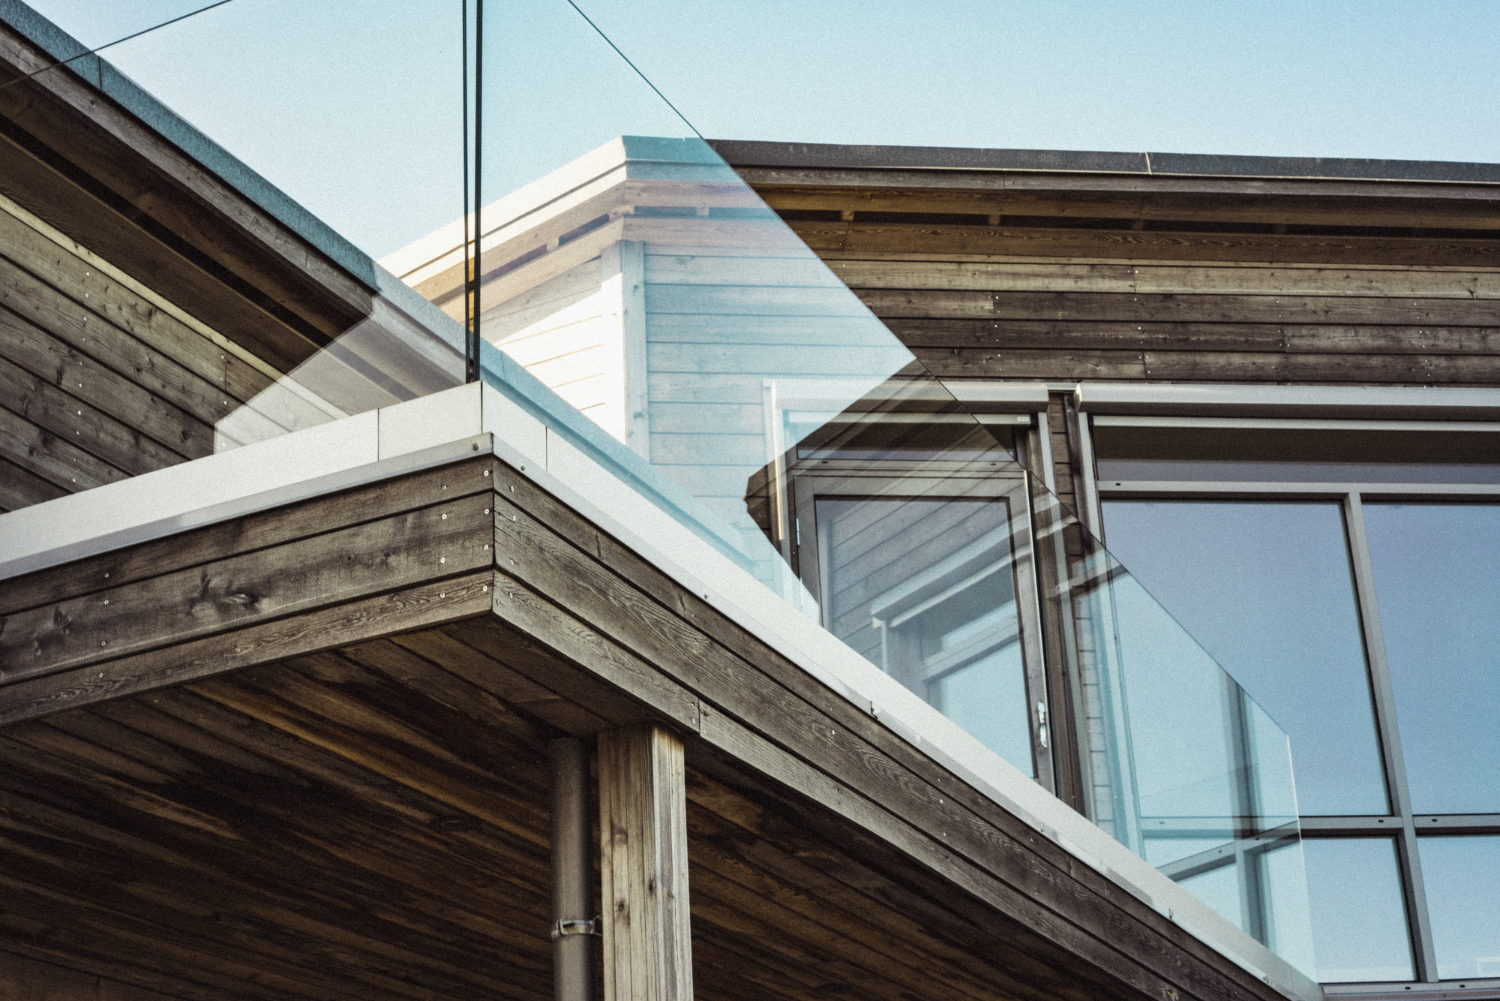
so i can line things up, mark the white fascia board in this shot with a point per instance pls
(998, 396)
(460, 422)
(1431, 402)
(526, 200)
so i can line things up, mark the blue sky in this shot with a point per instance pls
(351, 105)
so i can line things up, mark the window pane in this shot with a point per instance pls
(1220, 889)
(1267, 589)
(1437, 579)
(1462, 877)
(1359, 919)
(926, 590)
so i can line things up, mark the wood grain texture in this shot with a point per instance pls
(648, 952)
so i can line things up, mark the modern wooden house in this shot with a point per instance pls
(324, 675)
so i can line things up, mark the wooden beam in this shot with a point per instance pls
(644, 866)
(33, 980)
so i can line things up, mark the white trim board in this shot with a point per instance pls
(1167, 399)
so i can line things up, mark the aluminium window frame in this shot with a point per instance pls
(1401, 824)
(861, 478)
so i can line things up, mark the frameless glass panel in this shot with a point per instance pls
(1358, 916)
(1220, 889)
(1268, 589)
(1180, 763)
(1462, 879)
(1437, 580)
(638, 299)
(1209, 452)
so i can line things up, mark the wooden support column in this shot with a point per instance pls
(648, 952)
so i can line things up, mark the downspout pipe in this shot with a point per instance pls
(573, 923)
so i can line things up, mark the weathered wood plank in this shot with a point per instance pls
(756, 844)
(1216, 366)
(81, 376)
(160, 374)
(381, 744)
(648, 932)
(32, 980)
(359, 857)
(54, 458)
(433, 682)
(111, 298)
(1144, 308)
(355, 622)
(20, 487)
(246, 320)
(1042, 276)
(449, 538)
(1189, 336)
(70, 418)
(1127, 244)
(953, 363)
(356, 858)
(497, 677)
(261, 530)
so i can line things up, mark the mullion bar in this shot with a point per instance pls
(1390, 742)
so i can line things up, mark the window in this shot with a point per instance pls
(1348, 575)
(913, 536)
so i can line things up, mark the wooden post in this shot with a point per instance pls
(644, 866)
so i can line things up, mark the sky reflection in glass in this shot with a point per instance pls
(1437, 579)
(1358, 917)
(1267, 589)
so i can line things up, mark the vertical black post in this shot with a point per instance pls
(472, 347)
(464, 152)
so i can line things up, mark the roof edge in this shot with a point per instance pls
(834, 156)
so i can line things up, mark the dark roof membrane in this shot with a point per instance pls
(741, 153)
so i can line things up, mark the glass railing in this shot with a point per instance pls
(634, 294)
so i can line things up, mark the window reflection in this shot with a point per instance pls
(926, 589)
(1437, 579)
(1359, 919)
(1267, 589)
(1462, 875)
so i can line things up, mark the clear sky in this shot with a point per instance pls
(351, 106)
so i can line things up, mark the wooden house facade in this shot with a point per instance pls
(324, 675)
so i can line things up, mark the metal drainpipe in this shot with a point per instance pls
(573, 926)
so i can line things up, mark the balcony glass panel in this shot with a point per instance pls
(1437, 579)
(1268, 589)
(637, 298)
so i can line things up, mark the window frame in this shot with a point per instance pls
(862, 478)
(1402, 824)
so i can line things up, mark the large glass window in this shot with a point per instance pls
(1437, 578)
(1348, 576)
(1463, 890)
(1267, 589)
(1359, 918)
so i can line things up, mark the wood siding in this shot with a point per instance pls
(330, 792)
(99, 378)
